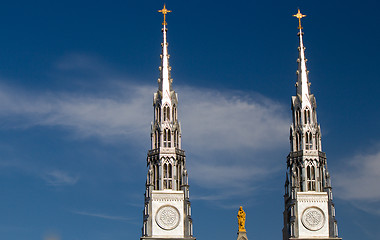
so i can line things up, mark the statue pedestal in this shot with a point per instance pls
(242, 235)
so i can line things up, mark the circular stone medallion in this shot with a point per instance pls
(167, 217)
(313, 218)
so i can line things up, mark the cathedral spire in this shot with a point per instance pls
(309, 210)
(303, 90)
(164, 82)
(167, 208)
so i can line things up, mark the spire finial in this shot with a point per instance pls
(164, 11)
(299, 16)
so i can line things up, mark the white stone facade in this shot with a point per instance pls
(167, 207)
(313, 214)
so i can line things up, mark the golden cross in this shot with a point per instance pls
(164, 11)
(299, 16)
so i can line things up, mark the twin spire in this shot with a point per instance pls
(303, 90)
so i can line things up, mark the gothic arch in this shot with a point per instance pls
(174, 113)
(310, 173)
(307, 118)
(309, 140)
(298, 116)
(167, 138)
(167, 174)
(166, 112)
(175, 138)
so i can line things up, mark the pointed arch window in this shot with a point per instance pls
(300, 179)
(168, 176)
(158, 114)
(175, 138)
(309, 141)
(307, 116)
(155, 171)
(298, 117)
(298, 141)
(167, 138)
(317, 141)
(157, 139)
(166, 113)
(174, 114)
(178, 176)
(310, 178)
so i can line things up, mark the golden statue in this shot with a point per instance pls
(241, 219)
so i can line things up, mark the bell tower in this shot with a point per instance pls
(309, 209)
(167, 209)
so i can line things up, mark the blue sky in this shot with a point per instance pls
(76, 85)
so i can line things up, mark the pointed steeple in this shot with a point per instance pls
(164, 82)
(167, 186)
(303, 90)
(309, 210)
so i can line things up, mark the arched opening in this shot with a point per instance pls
(166, 113)
(156, 139)
(298, 117)
(317, 141)
(167, 176)
(165, 138)
(309, 141)
(169, 138)
(307, 116)
(174, 113)
(175, 138)
(300, 178)
(178, 176)
(310, 178)
(299, 141)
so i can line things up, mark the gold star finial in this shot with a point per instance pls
(164, 11)
(299, 16)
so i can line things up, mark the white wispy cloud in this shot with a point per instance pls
(59, 178)
(231, 136)
(85, 114)
(358, 181)
(104, 216)
(225, 131)
(359, 178)
(232, 119)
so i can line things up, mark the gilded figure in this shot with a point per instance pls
(241, 219)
